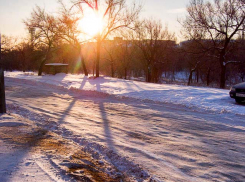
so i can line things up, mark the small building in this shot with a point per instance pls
(54, 68)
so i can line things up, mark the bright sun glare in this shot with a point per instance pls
(91, 24)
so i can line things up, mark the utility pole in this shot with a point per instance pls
(2, 87)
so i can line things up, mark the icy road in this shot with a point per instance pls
(170, 143)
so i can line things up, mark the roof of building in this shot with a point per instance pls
(56, 64)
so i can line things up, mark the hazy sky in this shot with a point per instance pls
(12, 13)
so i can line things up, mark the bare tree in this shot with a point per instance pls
(116, 15)
(68, 31)
(26, 50)
(154, 42)
(8, 52)
(125, 55)
(46, 33)
(8, 43)
(219, 22)
(110, 56)
(197, 59)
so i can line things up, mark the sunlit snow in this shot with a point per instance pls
(201, 98)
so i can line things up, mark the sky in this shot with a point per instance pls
(13, 12)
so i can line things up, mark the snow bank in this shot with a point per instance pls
(197, 98)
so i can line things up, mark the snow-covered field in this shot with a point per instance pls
(196, 98)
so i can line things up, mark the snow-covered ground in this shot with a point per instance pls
(34, 153)
(142, 140)
(196, 98)
(19, 162)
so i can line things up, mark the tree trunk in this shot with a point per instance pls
(112, 69)
(24, 63)
(173, 77)
(148, 76)
(84, 66)
(223, 65)
(98, 57)
(190, 77)
(125, 73)
(155, 75)
(40, 70)
(222, 76)
(208, 77)
(197, 76)
(2, 93)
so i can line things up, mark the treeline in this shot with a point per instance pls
(131, 48)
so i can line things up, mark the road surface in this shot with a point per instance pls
(171, 142)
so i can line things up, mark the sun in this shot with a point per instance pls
(91, 24)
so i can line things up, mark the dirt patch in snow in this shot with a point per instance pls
(20, 134)
(75, 162)
(63, 154)
(72, 160)
(119, 168)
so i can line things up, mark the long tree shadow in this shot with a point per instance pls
(132, 83)
(68, 109)
(106, 124)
